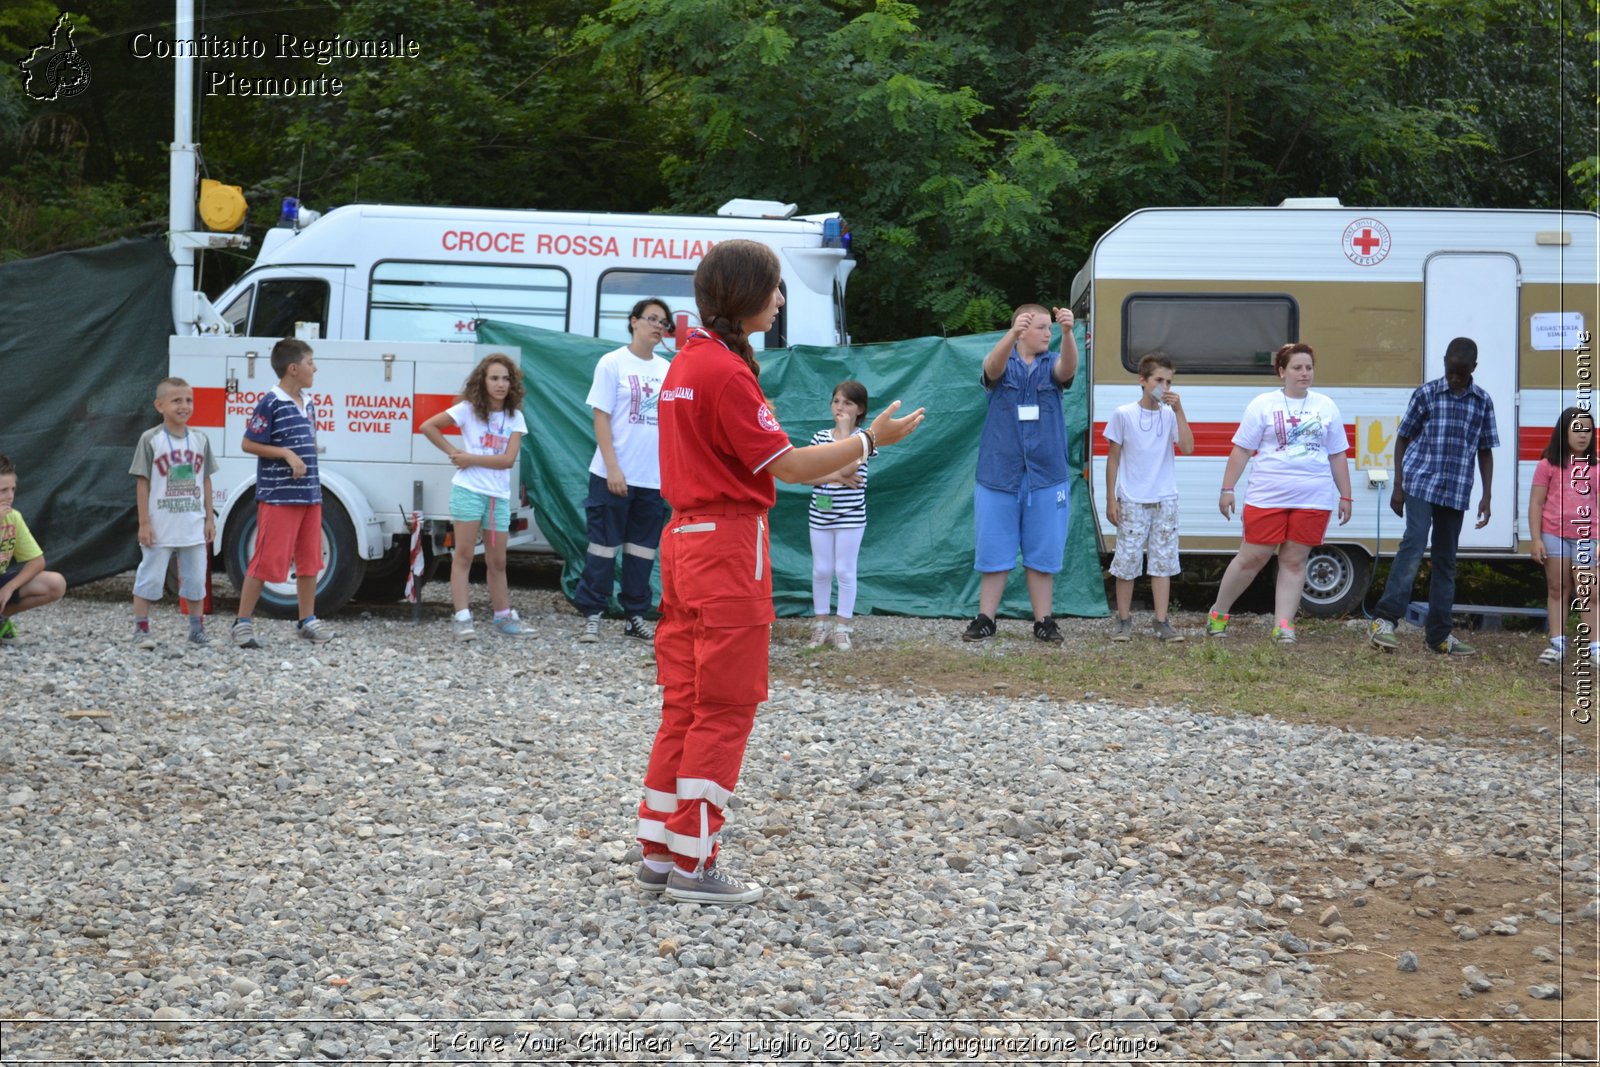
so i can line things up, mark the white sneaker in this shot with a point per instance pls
(819, 633)
(841, 637)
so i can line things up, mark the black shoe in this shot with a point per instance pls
(1045, 629)
(979, 629)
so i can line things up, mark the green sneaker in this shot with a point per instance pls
(1283, 633)
(8, 631)
(1452, 647)
(1217, 624)
(1381, 634)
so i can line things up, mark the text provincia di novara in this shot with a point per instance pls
(281, 46)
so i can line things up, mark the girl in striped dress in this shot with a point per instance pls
(838, 522)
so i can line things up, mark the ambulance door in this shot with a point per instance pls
(1478, 295)
(364, 414)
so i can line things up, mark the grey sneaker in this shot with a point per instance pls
(198, 637)
(650, 881)
(711, 887)
(1123, 630)
(243, 632)
(313, 630)
(639, 628)
(463, 630)
(143, 638)
(591, 629)
(510, 626)
(1381, 634)
(1165, 632)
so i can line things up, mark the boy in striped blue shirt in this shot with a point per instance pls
(282, 435)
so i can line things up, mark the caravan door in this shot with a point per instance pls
(1477, 295)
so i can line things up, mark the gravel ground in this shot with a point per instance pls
(394, 847)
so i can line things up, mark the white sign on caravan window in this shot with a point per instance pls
(1555, 331)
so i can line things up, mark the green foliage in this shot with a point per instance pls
(977, 154)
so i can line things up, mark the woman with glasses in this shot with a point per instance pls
(624, 501)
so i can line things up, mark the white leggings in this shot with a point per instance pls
(834, 552)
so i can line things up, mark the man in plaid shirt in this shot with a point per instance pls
(1447, 420)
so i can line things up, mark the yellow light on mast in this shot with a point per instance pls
(222, 207)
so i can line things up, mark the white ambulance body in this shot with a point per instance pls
(391, 298)
(1379, 293)
(381, 273)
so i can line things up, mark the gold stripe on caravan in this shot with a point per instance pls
(1367, 334)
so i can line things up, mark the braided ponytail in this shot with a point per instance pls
(734, 281)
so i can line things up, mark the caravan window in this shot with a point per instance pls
(282, 302)
(621, 289)
(444, 301)
(1209, 333)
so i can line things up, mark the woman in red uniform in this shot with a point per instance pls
(721, 448)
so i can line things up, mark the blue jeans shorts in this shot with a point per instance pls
(468, 506)
(1032, 521)
(1579, 551)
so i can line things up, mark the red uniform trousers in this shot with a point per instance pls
(711, 663)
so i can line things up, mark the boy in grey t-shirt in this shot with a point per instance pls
(173, 466)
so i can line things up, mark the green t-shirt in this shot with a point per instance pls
(16, 543)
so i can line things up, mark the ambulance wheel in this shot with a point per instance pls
(1336, 580)
(385, 580)
(342, 565)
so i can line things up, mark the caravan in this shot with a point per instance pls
(1378, 292)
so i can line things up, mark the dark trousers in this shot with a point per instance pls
(1446, 528)
(627, 526)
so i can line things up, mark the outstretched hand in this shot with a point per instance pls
(887, 429)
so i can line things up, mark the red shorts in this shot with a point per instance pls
(1274, 526)
(286, 532)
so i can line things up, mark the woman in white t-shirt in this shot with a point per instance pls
(489, 418)
(1301, 473)
(624, 502)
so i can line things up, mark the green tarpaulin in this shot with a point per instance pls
(84, 346)
(917, 555)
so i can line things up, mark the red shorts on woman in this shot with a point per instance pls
(287, 532)
(1274, 526)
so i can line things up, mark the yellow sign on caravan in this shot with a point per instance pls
(1375, 441)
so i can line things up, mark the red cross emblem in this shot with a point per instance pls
(1366, 242)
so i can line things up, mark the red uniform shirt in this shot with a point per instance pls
(717, 433)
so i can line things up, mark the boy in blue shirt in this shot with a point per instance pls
(1022, 500)
(282, 435)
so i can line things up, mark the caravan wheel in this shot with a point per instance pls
(342, 565)
(1336, 580)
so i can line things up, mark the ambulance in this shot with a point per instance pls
(390, 297)
(1379, 293)
(380, 273)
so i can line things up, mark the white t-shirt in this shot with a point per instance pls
(1145, 473)
(490, 438)
(627, 388)
(177, 468)
(1292, 440)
